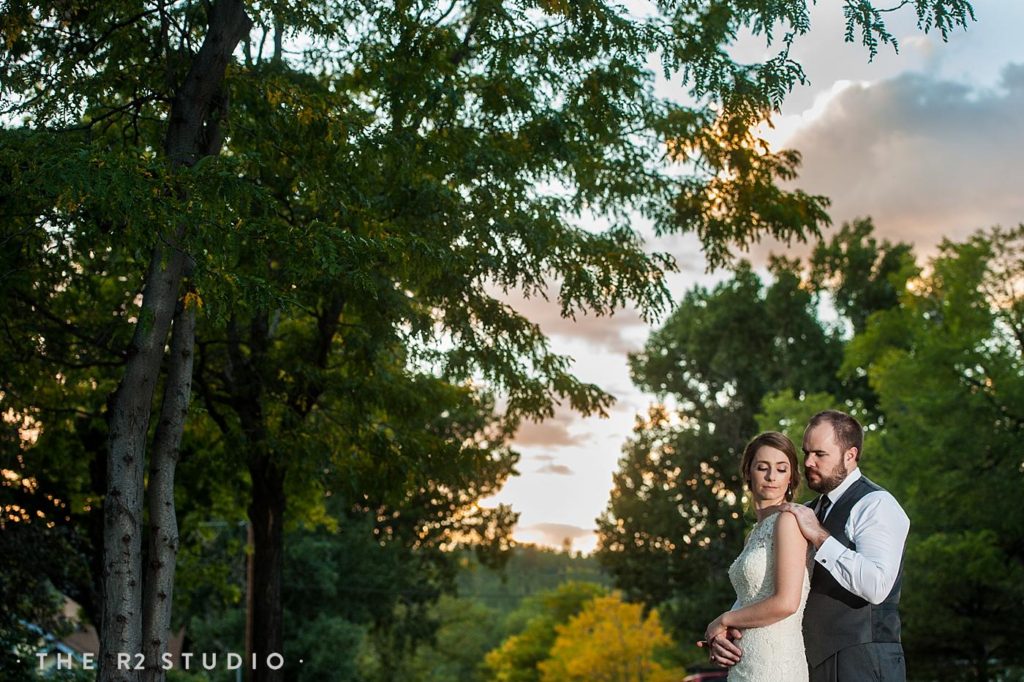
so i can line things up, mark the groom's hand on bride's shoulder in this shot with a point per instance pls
(725, 649)
(810, 528)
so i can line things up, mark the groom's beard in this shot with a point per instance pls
(828, 483)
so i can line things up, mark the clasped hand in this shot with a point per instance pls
(721, 643)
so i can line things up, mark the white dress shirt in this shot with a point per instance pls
(878, 526)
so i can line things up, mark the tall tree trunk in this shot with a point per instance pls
(163, 524)
(264, 618)
(264, 621)
(121, 629)
(249, 582)
(192, 132)
(266, 515)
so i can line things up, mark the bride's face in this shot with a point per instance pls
(769, 476)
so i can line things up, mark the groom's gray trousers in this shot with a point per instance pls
(875, 661)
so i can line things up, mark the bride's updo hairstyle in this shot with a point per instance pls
(783, 444)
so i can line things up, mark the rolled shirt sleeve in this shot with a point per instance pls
(878, 527)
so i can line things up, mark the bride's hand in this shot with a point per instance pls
(725, 651)
(714, 629)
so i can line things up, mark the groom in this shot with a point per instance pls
(858, 531)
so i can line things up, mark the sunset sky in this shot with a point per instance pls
(928, 142)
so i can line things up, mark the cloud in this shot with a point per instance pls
(550, 466)
(608, 332)
(556, 534)
(560, 530)
(552, 432)
(926, 158)
(559, 469)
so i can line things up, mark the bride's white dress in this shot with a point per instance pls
(773, 653)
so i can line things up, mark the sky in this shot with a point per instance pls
(928, 142)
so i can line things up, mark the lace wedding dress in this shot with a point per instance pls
(773, 653)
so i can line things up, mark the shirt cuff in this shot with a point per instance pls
(829, 552)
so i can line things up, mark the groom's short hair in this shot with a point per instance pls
(848, 431)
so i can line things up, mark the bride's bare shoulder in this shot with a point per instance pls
(787, 525)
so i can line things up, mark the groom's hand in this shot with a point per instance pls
(808, 522)
(724, 650)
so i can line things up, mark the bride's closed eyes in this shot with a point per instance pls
(764, 468)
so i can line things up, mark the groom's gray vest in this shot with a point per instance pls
(835, 618)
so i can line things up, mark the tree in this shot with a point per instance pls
(529, 569)
(520, 656)
(610, 640)
(389, 613)
(946, 365)
(467, 630)
(444, 127)
(940, 349)
(789, 414)
(674, 522)
(862, 276)
(734, 361)
(400, 498)
(59, 359)
(189, 92)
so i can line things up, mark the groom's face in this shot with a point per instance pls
(824, 462)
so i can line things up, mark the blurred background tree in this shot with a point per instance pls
(613, 640)
(947, 364)
(675, 520)
(934, 372)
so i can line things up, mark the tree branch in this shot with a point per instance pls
(118, 26)
(206, 391)
(72, 329)
(134, 104)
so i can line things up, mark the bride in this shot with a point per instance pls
(770, 575)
